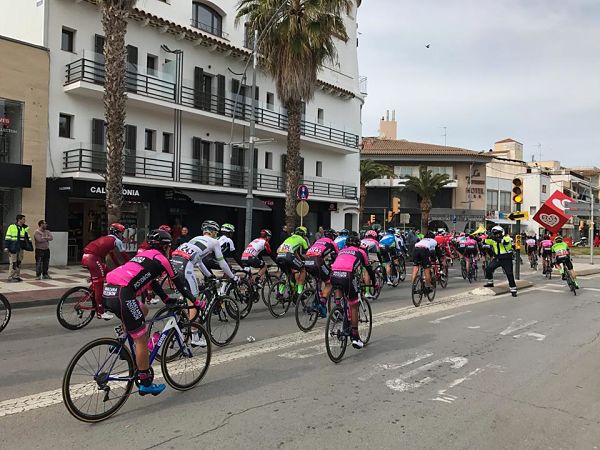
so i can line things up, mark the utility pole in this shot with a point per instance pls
(445, 134)
(591, 227)
(251, 139)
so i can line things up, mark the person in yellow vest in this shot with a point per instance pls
(16, 241)
(503, 256)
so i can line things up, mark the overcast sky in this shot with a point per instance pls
(525, 69)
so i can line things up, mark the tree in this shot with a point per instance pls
(297, 37)
(426, 186)
(369, 171)
(114, 23)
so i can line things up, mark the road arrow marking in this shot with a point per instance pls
(516, 326)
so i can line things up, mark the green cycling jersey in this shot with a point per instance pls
(293, 244)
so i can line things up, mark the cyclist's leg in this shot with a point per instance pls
(97, 273)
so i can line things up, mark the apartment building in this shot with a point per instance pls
(185, 161)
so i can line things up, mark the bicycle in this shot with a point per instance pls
(440, 273)
(307, 311)
(533, 261)
(5, 312)
(419, 289)
(547, 266)
(463, 268)
(566, 275)
(473, 269)
(401, 265)
(283, 293)
(339, 328)
(394, 275)
(107, 367)
(76, 308)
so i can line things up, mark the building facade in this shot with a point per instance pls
(188, 113)
(23, 133)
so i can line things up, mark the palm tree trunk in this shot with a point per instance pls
(362, 200)
(294, 110)
(425, 211)
(114, 24)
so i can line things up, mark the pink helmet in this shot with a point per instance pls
(371, 234)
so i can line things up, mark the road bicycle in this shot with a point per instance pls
(283, 293)
(419, 289)
(339, 327)
(5, 312)
(76, 308)
(566, 275)
(440, 273)
(547, 266)
(463, 268)
(473, 269)
(533, 260)
(308, 308)
(100, 377)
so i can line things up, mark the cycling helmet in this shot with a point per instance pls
(344, 232)
(558, 239)
(441, 231)
(390, 230)
(498, 231)
(116, 229)
(166, 228)
(376, 227)
(158, 238)
(227, 228)
(353, 240)
(371, 234)
(301, 231)
(430, 235)
(265, 233)
(329, 233)
(462, 234)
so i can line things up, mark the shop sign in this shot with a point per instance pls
(333, 207)
(269, 203)
(127, 192)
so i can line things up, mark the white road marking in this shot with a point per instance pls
(305, 352)
(447, 398)
(448, 317)
(475, 327)
(555, 291)
(516, 326)
(537, 336)
(379, 367)
(399, 384)
(591, 289)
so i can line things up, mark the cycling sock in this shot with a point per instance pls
(300, 288)
(355, 333)
(281, 288)
(145, 377)
(323, 300)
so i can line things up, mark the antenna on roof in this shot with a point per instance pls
(445, 134)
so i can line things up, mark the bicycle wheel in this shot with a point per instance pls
(417, 292)
(100, 376)
(279, 298)
(444, 278)
(431, 293)
(463, 269)
(365, 320)
(475, 272)
(5, 312)
(223, 320)
(187, 366)
(243, 296)
(335, 338)
(307, 312)
(378, 282)
(75, 308)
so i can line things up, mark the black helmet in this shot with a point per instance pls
(344, 232)
(158, 238)
(329, 233)
(353, 240)
(430, 235)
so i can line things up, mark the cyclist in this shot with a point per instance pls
(94, 260)
(442, 244)
(346, 277)
(122, 286)
(503, 255)
(531, 245)
(322, 252)
(562, 255)
(470, 250)
(389, 251)
(290, 259)
(252, 255)
(400, 243)
(370, 244)
(341, 239)
(545, 251)
(227, 248)
(422, 253)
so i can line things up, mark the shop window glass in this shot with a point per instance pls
(11, 131)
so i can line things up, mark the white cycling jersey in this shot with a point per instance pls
(199, 248)
(428, 243)
(254, 248)
(227, 244)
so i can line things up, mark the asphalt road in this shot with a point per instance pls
(465, 371)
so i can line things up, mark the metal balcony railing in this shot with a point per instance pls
(93, 72)
(215, 31)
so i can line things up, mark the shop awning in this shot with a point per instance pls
(502, 221)
(226, 200)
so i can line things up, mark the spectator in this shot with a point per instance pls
(597, 241)
(42, 238)
(16, 242)
(319, 234)
(184, 237)
(284, 234)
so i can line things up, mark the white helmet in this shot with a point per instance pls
(498, 231)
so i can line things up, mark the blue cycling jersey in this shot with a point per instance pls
(341, 241)
(388, 241)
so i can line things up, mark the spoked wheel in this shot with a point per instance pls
(475, 273)
(431, 293)
(417, 292)
(307, 312)
(244, 295)
(335, 338)
(378, 282)
(223, 320)
(444, 278)
(156, 326)
(394, 277)
(98, 380)
(75, 308)
(5, 312)
(280, 298)
(365, 320)
(402, 270)
(463, 269)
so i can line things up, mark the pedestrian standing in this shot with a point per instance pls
(42, 238)
(503, 257)
(16, 242)
(319, 234)
(184, 237)
(597, 241)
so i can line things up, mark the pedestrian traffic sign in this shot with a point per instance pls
(302, 192)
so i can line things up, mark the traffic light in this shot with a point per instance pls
(517, 191)
(395, 205)
(372, 219)
(390, 216)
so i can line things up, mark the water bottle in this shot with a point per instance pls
(200, 303)
(153, 340)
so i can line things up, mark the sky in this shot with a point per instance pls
(524, 69)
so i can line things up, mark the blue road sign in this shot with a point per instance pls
(302, 192)
(454, 219)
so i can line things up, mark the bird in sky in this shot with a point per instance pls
(427, 45)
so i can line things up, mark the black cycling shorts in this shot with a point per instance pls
(566, 261)
(121, 300)
(547, 252)
(461, 249)
(315, 265)
(253, 261)
(386, 254)
(347, 283)
(470, 251)
(289, 261)
(531, 249)
(421, 257)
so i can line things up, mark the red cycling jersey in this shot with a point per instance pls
(104, 246)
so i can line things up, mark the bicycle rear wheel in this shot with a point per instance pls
(88, 389)
(307, 312)
(5, 312)
(417, 292)
(444, 278)
(379, 282)
(365, 320)
(75, 308)
(431, 293)
(463, 269)
(223, 320)
(187, 366)
(280, 298)
(402, 269)
(335, 338)
(244, 295)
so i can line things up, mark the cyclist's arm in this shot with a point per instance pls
(233, 254)
(221, 261)
(200, 265)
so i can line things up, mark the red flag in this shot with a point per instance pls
(550, 218)
(557, 202)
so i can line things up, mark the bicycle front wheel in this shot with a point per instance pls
(75, 308)
(98, 380)
(187, 366)
(402, 269)
(431, 292)
(365, 320)
(244, 297)
(307, 312)
(223, 320)
(336, 339)
(5, 312)
(417, 292)
(279, 299)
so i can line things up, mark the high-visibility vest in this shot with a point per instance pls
(501, 248)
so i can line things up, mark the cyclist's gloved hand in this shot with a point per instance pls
(236, 279)
(248, 270)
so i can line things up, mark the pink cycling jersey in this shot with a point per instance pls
(349, 259)
(322, 247)
(546, 244)
(370, 245)
(140, 270)
(470, 242)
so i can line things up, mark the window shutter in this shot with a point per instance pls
(220, 94)
(256, 94)
(98, 134)
(283, 163)
(219, 151)
(196, 148)
(99, 44)
(198, 86)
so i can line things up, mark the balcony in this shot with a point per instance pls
(215, 31)
(90, 71)
(191, 171)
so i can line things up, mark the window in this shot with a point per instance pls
(492, 200)
(268, 160)
(404, 171)
(64, 125)
(150, 139)
(207, 19)
(441, 170)
(532, 210)
(151, 65)
(166, 147)
(270, 101)
(505, 201)
(68, 40)
(544, 188)
(320, 116)
(319, 169)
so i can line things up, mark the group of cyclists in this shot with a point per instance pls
(340, 261)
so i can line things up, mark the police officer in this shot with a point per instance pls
(503, 253)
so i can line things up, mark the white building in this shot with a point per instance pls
(180, 167)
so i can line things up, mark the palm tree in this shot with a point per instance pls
(369, 171)
(296, 37)
(426, 186)
(114, 24)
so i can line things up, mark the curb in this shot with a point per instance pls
(501, 288)
(590, 271)
(33, 303)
